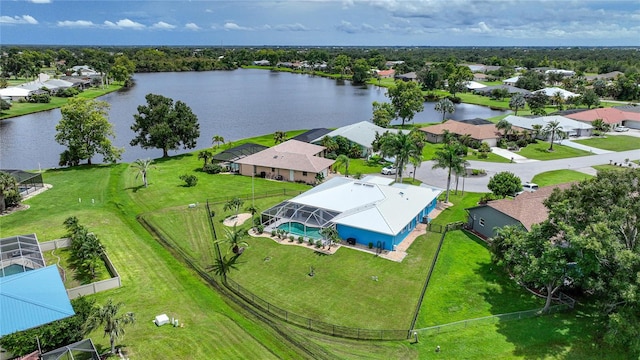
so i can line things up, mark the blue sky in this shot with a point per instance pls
(322, 22)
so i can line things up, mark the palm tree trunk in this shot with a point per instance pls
(448, 186)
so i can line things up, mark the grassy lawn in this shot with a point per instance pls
(61, 257)
(613, 143)
(610, 167)
(539, 151)
(466, 285)
(559, 177)
(20, 108)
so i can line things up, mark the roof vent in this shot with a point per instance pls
(401, 193)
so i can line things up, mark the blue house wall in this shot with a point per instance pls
(385, 241)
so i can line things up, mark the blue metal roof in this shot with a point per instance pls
(31, 299)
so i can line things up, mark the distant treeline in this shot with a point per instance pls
(173, 58)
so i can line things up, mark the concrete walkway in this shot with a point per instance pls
(510, 155)
(590, 149)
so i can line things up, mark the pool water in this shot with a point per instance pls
(297, 229)
(12, 270)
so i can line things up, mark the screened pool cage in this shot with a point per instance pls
(27, 182)
(81, 350)
(19, 254)
(311, 218)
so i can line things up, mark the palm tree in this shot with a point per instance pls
(340, 161)
(233, 238)
(279, 137)
(234, 204)
(400, 146)
(330, 143)
(143, 166)
(558, 99)
(9, 194)
(553, 127)
(445, 106)
(537, 130)
(600, 125)
(505, 126)
(205, 155)
(224, 264)
(449, 158)
(252, 209)
(217, 140)
(330, 233)
(114, 324)
(517, 102)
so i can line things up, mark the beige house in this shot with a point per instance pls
(292, 160)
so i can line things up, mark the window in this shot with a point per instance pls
(481, 222)
(304, 173)
(273, 169)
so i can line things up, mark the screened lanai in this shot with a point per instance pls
(19, 254)
(27, 182)
(81, 350)
(308, 216)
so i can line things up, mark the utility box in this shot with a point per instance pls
(161, 320)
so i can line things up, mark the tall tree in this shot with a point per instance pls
(450, 158)
(113, 323)
(445, 106)
(234, 239)
(505, 126)
(505, 183)
(85, 131)
(234, 204)
(407, 100)
(590, 98)
(279, 137)
(537, 102)
(217, 140)
(517, 102)
(205, 155)
(9, 194)
(143, 166)
(164, 125)
(383, 113)
(400, 146)
(342, 160)
(361, 72)
(341, 63)
(552, 129)
(600, 125)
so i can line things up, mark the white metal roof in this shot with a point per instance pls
(14, 91)
(362, 133)
(370, 204)
(553, 90)
(566, 123)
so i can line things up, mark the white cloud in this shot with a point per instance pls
(234, 26)
(163, 26)
(76, 23)
(482, 28)
(192, 26)
(124, 24)
(40, 1)
(290, 27)
(24, 19)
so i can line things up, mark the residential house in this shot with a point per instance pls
(371, 212)
(511, 81)
(291, 160)
(552, 91)
(261, 63)
(483, 132)
(411, 76)
(486, 91)
(612, 116)
(472, 85)
(525, 210)
(385, 74)
(607, 77)
(570, 127)
(362, 134)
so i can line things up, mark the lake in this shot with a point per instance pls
(235, 104)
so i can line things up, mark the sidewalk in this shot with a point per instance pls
(511, 155)
(590, 149)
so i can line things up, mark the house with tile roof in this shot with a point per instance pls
(291, 160)
(371, 210)
(612, 116)
(525, 210)
(483, 133)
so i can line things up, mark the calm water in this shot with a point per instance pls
(235, 104)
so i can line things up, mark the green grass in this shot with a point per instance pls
(539, 151)
(60, 257)
(610, 167)
(20, 108)
(467, 285)
(559, 177)
(613, 143)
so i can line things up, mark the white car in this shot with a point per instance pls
(621, 129)
(389, 170)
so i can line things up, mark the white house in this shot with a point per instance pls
(569, 126)
(552, 91)
(363, 134)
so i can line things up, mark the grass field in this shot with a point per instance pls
(559, 177)
(154, 282)
(612, 143)
(539, 151)
(60, 257)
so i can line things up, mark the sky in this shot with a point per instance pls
(321, 22)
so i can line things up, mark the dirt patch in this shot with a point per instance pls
(237, 220)
(13, 209)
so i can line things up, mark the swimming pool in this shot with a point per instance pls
(298, 229)
(13, 269)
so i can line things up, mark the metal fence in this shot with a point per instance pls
(257, 195)
(313, 324)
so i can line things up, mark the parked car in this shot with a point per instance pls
(621, 129)
(389, 170)
(528, 187)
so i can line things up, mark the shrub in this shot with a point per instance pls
(189, 180)
(486, 197)
(291, 238)
(39, 98)
(357, 176)
(318, 243)
(310, 241)
(274, 233)
(68, 92)
(300, 239)
(455, 99)
(522, 143)
(260, 229)
(370, 245)
(477, 172)
(212, 169)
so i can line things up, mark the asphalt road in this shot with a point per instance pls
(526, 171)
